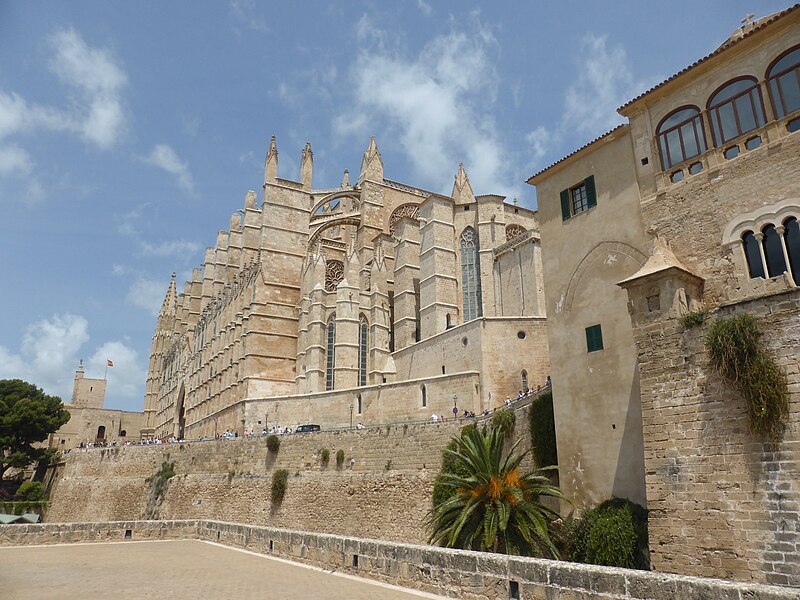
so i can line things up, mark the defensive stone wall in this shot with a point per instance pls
(723, 501)
(454, 573)
(382, 490)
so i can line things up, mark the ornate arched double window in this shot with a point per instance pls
(735, 109)
(363, 349)
(680, 136)
(768, 251)
(330, 354)
(470, 275)
(784, 83)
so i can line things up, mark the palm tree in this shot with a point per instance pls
(489, 505)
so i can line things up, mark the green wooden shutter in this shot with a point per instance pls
(591, 194)
(594, 338)
(565, 210)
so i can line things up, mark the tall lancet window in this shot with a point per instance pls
(330, 355)
(363, 332)
(470, 275)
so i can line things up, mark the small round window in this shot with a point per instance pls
(464, 341)
(521, 335)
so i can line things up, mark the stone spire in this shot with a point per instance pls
(306, 166)
(168, 306)
(462, 190)
(372, 163)
(271, 162)
(346, 180)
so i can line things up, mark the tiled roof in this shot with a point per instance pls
(731, 41)
(574, 152)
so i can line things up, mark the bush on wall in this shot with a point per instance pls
(613, 534)
(279, 481)
(339, 458)
(504, 421)
(542, 426)
(324, 456)
(273, 443)
(734, 346)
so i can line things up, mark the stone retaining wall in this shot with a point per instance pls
(454, 573)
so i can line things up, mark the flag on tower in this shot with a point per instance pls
(110, 364)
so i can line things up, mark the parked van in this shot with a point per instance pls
(307, 428)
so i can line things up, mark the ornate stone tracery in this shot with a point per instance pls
(406, 210)
(514, 230)
(334, 273)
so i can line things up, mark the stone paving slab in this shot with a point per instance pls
(182, 569)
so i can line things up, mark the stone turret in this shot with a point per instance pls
(372, 163)
(462, 189)
(306, 167)
(271, 162)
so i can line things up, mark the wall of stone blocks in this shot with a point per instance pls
(723, 502)
(452, 573)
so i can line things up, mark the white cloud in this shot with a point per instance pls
(170, 248)
(14, 161)
(49, 353)
(93, 72)
(126, 378)
(165, 158)
(603, 82)
(439, 102)
(147, 293)
(424, 8)
(245, 12)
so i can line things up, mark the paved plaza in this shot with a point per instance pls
(172, 569)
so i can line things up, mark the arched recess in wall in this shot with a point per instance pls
(471, 296)
(602, 254)
(180, 412)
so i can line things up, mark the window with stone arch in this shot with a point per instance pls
(680, 136)
(330, 354)
(734, 109)
(524, 380)
(363, 349)
(783, 77)
(471, 275)
(769, 238)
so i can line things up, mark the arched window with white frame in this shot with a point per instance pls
(680, 136)
(734, 109)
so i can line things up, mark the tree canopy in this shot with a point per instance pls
(27, 416)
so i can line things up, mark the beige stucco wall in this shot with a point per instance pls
(595, 395)
(84, 424)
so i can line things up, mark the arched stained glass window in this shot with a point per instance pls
(330, 355)
(784, 83)
(773, 251)
(363, 348)
(735, 109)
(470, 275)
(752, 252)
(791, 236)
(680, 136)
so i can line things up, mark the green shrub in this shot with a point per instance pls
(31, 491)
(543, 431)
(20, 508)
(273, 443)
(696, 317)
(339, 458)
(279, 480)
(613, 534)
(324, 456)
(504, 420)
(158, 481)
(734, 346)
(449, 466)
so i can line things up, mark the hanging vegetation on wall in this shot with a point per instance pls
(543, 431)
(734, 345)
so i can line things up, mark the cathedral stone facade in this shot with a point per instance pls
(372, 302)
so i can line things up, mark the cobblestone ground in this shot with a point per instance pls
(171, 569)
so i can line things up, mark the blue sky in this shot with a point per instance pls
(130, 131)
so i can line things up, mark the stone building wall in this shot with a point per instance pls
(723, 502)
